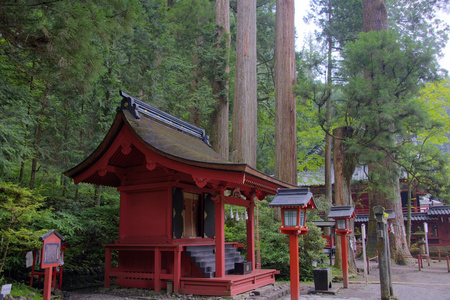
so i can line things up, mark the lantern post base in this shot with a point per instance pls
(344, 259)
(294, 266)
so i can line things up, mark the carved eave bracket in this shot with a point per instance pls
(125, 147)
(201, 182)
(102, 172)
(216, 198)
(261, 195)
(150, 164)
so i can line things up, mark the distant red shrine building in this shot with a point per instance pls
(432, 212)
(173, 190)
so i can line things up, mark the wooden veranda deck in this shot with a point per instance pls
(229, 285)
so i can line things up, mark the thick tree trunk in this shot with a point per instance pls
(245, 105)
(344, 167)
(328, 137)
(220, 115)
(374, 15)
(285, 106)
(388, 195)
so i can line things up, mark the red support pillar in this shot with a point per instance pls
(61, 267)
(220, 237)
(177, 270)
(157, 281)
(48, 284)
(344, 259)
(107, 280)
(294, 266)
(251, 235)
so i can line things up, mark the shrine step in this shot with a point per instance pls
(204, 258)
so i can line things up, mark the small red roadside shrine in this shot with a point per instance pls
(173, 190)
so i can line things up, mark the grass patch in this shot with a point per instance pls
(21, 289)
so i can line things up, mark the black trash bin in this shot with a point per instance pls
(322, 279)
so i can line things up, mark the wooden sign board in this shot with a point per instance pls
(51, 249)
(6, 289)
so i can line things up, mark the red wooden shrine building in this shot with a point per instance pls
(173, 190)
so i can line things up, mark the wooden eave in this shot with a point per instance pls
(205, 166)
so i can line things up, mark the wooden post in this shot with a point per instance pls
(294, 266)
(382, 252)
(366, 262)
(368, 265)
(448, 264)
(425, 227)
(388, 261)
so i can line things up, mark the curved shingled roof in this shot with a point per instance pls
(168, 137)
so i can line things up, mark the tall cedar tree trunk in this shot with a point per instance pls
(220, 115)
(37, 142)
(22, 165)
(285, 106)
(245, 105)
(344, 167)
(328, 137)
(375, 19)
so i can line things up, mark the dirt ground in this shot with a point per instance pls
(431, 283)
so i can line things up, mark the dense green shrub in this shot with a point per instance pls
(20, 209)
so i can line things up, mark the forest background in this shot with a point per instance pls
(63, 63)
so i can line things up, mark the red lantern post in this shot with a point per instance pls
(342, 216)
(293, 204)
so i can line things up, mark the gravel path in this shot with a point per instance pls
(431, 283)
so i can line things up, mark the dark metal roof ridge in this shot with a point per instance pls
(293, 197)
(136, 107)
(341, 211)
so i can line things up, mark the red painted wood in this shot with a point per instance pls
(48, 283)
(107, 280)
(157, 286)
(294, 267)
(142, 211)
(148, 255)
(220, 237)
(229, 285)
(344, 259)
(177, 270)
(251, 235)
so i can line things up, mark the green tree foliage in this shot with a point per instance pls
(20, 209)
(380, 102)
(275, 246)
(339, 19)
(419, 153)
